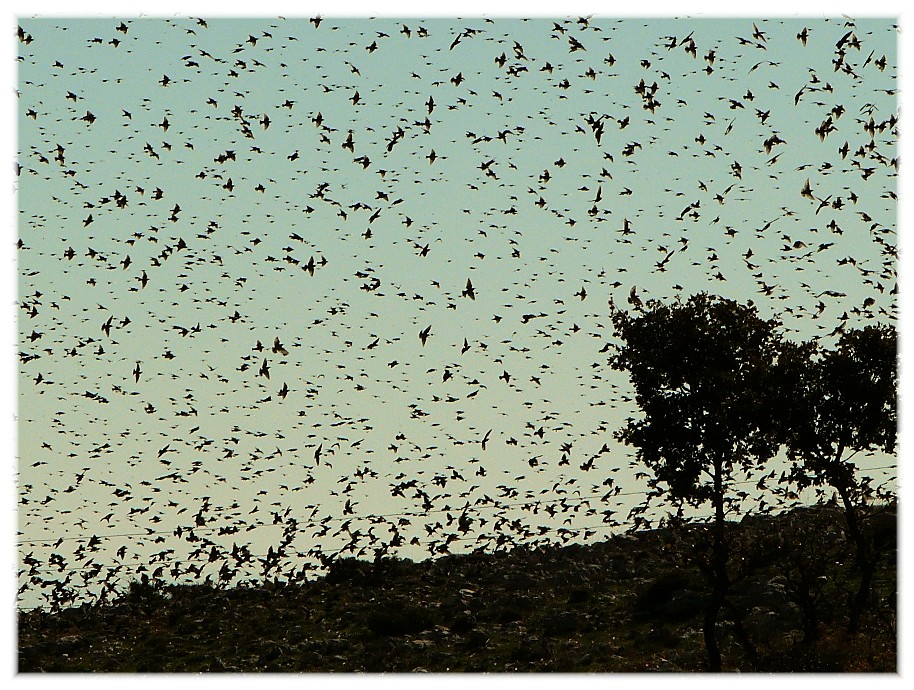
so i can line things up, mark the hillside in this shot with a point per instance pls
(631, 603)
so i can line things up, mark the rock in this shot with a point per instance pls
(451, 605)
(475, 638)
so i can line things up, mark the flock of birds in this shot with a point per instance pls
(297, 289)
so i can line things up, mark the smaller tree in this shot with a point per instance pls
(835, 404)
(701, 372)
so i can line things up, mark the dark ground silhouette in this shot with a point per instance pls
(632, 603)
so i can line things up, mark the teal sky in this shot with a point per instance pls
(694, 183)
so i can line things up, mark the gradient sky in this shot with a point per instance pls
(694, 184)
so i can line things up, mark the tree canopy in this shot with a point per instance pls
(701, 370)
(722, 390)
(839, 401)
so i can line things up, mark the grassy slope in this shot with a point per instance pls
(632, 603)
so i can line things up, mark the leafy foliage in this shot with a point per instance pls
(837, 401)
(701, 373)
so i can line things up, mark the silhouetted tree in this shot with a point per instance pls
(701, 371)
(837, 403)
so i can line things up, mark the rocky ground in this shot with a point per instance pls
(632, 603)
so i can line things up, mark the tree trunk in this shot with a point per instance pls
(806, 599)
(841, 478)
(864, 563)
(742, 635)
(714, 662)
(719, 580)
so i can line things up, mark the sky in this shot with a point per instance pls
(178, 177)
